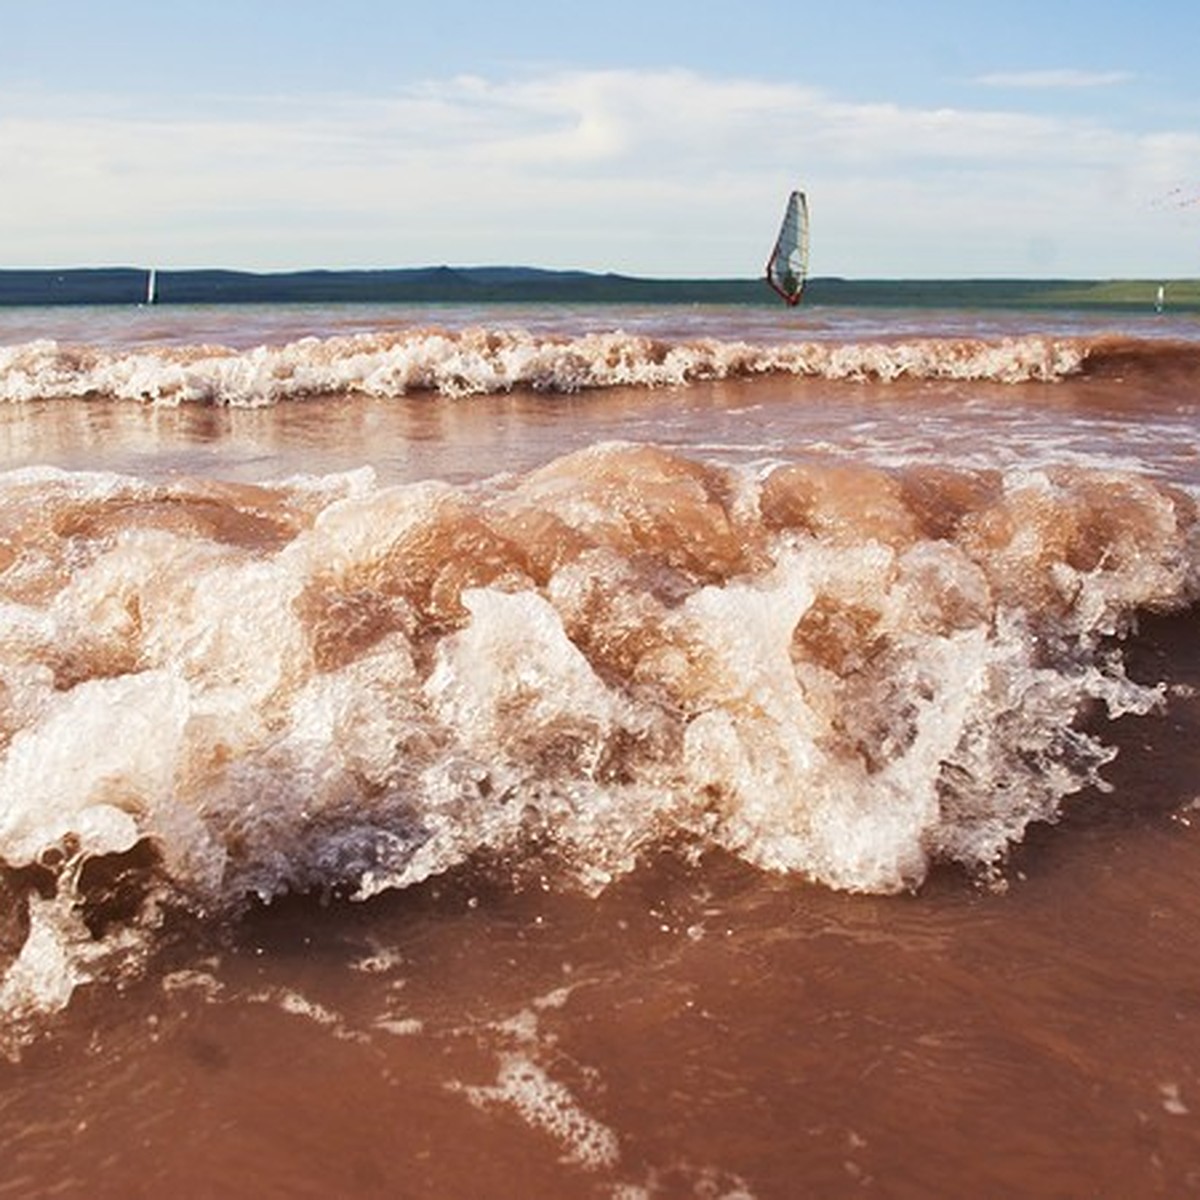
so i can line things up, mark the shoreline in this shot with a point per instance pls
(491, 285)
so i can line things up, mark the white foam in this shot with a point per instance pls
(479, 361)
(101, 755)
(548, 1106)
(513, 672)
(401, 1026)
(308, 716)
(46, 972)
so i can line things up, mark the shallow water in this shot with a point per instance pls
(717, 761)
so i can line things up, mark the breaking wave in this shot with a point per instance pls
(481, 361)
(211, 692)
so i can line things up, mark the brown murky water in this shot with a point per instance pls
(697, 1030)
(702, 1026)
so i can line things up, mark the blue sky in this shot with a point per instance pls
(654, 138)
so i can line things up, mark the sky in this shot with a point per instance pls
(935, 139)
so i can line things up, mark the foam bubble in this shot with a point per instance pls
(548, 1106)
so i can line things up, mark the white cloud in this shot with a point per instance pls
(1062, 78)
(650, 172)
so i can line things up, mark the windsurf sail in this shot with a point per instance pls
(787, 268)
(152, 286)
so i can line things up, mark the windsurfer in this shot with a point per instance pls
(788, 265)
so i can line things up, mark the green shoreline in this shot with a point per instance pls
(490, 285)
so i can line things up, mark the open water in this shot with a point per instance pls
(601, 752)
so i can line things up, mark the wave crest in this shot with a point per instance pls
(210, 692)
(485, 361)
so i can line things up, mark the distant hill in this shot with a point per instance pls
(500, 284)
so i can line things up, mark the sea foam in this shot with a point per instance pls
(486, 361)
(844, 673)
